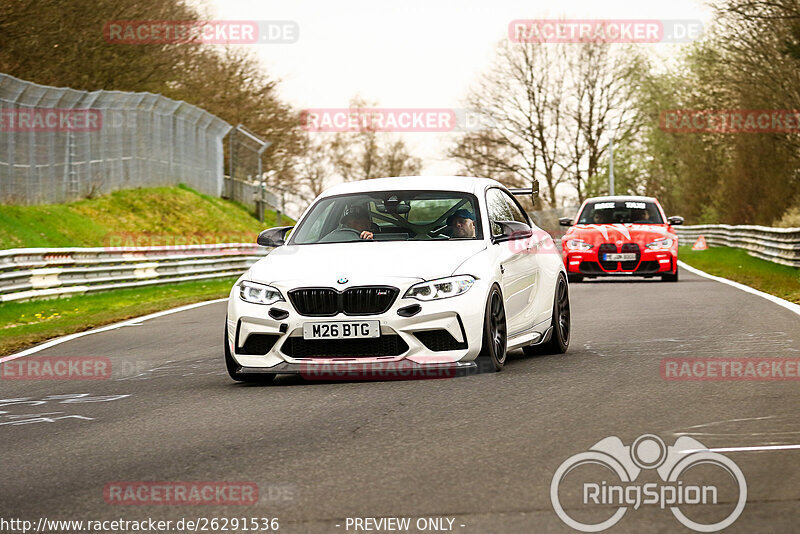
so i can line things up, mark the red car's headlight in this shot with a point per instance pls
(578, 245)
(660, 244)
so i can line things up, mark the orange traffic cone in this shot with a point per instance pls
(700, 244)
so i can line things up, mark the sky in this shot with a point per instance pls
(411, 53)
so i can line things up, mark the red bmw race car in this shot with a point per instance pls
(621, 235)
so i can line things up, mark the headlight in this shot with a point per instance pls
(259, 293)
(577, 244)
(440, 289)
(660, 244)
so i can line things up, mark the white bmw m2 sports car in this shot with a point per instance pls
(429, 272)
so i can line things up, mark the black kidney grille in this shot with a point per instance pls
(315, 301)
(628, 248)
(603, 249)
(366, 300)
(325, 301)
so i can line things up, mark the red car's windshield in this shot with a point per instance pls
(620, 211)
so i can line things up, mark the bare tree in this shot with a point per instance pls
(602, 93)
(314, 169)
(367, 153)
(522, 98)
(550, 107)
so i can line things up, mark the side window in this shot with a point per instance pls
(516, 212)
(498, 209)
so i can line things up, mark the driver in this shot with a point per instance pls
(599, 217)
(461, 224)
(356, 219)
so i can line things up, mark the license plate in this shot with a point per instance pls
(342, 330)
(619, 257)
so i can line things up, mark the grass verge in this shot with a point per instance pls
(156, 216)
(735, 264)
(24, 324)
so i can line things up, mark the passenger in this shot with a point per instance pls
(461, 224)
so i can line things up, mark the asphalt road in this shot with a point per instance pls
(480, 450)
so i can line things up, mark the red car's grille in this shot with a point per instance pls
(625, 248)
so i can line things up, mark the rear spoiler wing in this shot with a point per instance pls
(533, 191)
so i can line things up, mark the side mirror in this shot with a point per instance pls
(675, 220)
(512, 230)
(273, 237)
(565, 221)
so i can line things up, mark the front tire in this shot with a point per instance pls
(574, 278)
(493, 351)
(561, 323)
(233, 367)
(670, 277)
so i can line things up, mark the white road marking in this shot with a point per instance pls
(777, 300)
(136, 321)
(733, 421)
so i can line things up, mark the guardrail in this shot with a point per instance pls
(42, 272)
(778, 245)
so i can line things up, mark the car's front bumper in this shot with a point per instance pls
(461, 317)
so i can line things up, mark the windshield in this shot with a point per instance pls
(625, 211)
(391, 216)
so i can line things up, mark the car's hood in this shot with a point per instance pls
(611, 233)
(373, 262)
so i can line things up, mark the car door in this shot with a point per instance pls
(517, 266)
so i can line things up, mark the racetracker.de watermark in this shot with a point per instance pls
(149, 493)
(57, 368)
(140, 32)
(440, 120)
(50, 120)
(379, 120)
(730, 369)
(730, 121)
(543, 31)
(216, 242)
(399, 370)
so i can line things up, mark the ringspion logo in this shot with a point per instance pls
(608, 482)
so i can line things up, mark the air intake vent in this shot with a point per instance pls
(258, 344)
(390, 345)
(439, 340)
